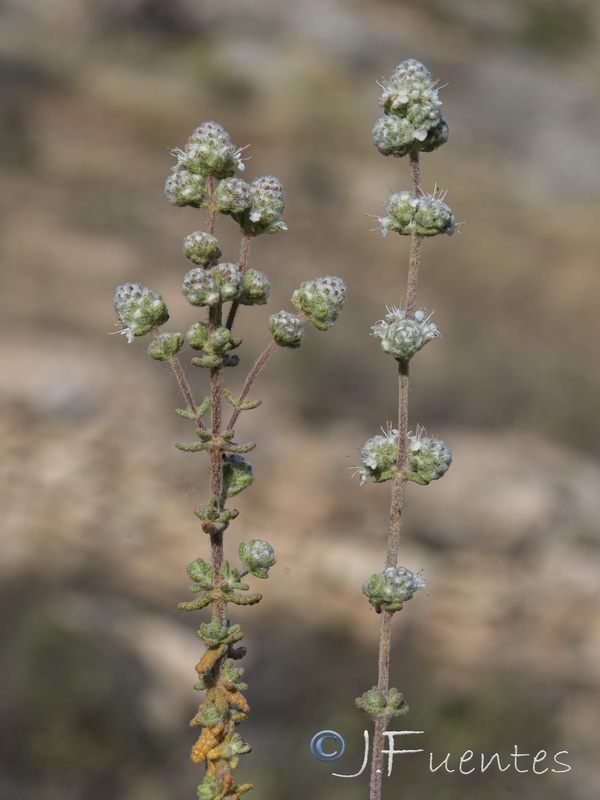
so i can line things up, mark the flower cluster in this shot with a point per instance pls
(208, 155)
(258, 557)
(287, 329)
(378, 457)
(401, 337)
(208, 287)
(428, 458)
(139, 309)
(390, 589)
(202, 248)
(267, 202)
(321, 300)
(425, 215)
(209, 151)
(413, 121)
(255, 288)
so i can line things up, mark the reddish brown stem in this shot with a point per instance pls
(260, 362)
(186, 391)
(415, 172)
(210, 222)
(381, 724)
(413, 275)
(243, 264)
(397, 498)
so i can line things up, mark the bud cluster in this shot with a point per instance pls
(166, 346)
(214, 343)
(379, 706)
(208, 287)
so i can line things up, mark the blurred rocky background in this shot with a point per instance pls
(97, 526)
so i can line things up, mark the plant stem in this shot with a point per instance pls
(219, 606)
(415, 172)
(260, 362)
(186, 391)
(210, 222)
(216, 464)
(383, 684)
(415, 241)
(215, 316)
(243, 264)
(397, 499)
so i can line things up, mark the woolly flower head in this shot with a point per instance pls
(185, 188)
(426, 215)
(390, 589)
(209, 151)
(321, 300)
(287, 329)
(413, 120)
(378, 457)
(255, 288)
(428, 458)
(139, 309)
(232, 196)
(229, 281)
(267, 204)
(200, 288)
(202, 248)
(409, 85)
(402, 337)
(395, 136)
(258, 557)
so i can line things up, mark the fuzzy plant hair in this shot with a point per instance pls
(204, 177)
(412, 124)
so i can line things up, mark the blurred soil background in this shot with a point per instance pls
(97, 525)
